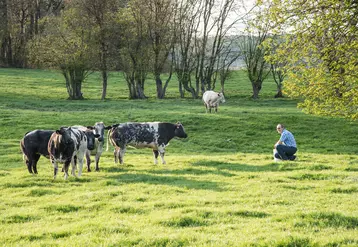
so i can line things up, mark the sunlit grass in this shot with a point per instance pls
(220, 186)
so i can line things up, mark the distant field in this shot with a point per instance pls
(220, 186)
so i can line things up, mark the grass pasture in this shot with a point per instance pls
(220, 186)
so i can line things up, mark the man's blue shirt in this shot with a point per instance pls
(288, 138)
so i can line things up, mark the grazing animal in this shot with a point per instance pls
(70, 144)
(212, 100)
(33, 145)
(98, 129)
(155, 135)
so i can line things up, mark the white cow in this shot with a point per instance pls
(212, 100)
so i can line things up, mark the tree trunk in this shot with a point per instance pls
(74, 79)
(256, 87)
(104, 66)
(104, 84)
(159, 83)
(279, 93)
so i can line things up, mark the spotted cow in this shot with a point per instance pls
(155, 135)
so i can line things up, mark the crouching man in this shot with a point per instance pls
(285, 147)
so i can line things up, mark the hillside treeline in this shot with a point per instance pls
(141, 38)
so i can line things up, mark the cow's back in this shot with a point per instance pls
(36, 141)
(135, 134)
(209, 95)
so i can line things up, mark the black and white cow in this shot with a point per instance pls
(33, 145)
(68, 145)
(98, 130)
(155, 135)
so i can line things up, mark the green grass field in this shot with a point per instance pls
(220, 186)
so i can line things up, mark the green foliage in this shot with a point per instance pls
(220, 186)
(320, 52)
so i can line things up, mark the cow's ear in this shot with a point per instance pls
(90, 127)
(58, 132)
(97, 135)
(108, 127)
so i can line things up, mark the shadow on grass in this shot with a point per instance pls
(164, 180)
(272, 167)
(327, 220)
(192, 171)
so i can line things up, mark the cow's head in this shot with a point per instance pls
(99, 130)
(91, 138)
(221, 97)
(64, 141)
(179, 130)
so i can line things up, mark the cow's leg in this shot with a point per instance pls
(73, 165)
(116, 154)
(88, 159)
(121, 152)
(98, 156)
(34, 163)
(206, 107)
(28, 164)
(161, 150)
(66, 166)
(55, 168)
(155, 153)
(80, 162)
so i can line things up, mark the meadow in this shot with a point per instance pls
(220, 186)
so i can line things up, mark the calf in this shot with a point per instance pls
(33, 145)
(69, 144)
(155, 135)
(212, 100)
(98, 131)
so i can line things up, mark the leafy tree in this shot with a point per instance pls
(64, 45)
(135, 50)
(321, 51)
(100, 15)
(19, 22)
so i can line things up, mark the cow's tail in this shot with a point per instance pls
(23, 150)
(108, 135)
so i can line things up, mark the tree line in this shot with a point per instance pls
(310, 47)
(157, 37)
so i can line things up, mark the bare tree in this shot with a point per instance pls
(203, 30)
(186, 23)
(159, 18)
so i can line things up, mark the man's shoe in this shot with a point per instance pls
(293, 157)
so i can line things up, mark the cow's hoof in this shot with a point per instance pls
(97, 170)
(89, 170)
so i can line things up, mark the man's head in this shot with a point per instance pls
(280, 128)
